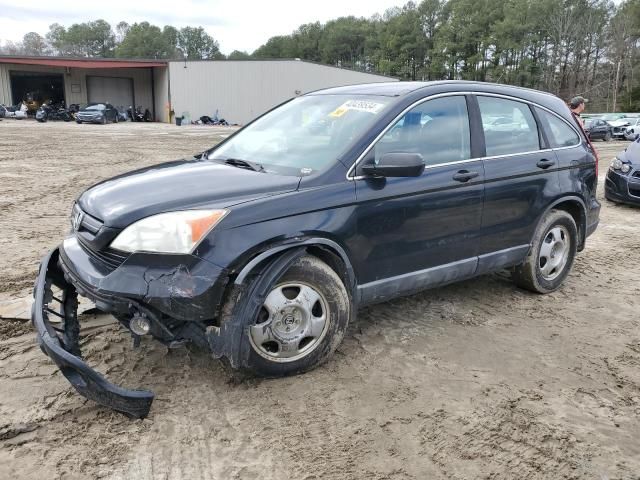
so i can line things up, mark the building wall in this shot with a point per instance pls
(161, 91)
(75, 81)
(242, 90)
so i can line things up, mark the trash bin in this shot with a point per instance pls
(178, 121)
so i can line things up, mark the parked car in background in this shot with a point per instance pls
(632, 131)
(623, 178)
(618, 126)
(262, 248)
(97, 113)
(598, 129)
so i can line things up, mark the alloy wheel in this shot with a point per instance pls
(291, 323)
(554, 252)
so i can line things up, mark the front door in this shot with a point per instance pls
(420, 231)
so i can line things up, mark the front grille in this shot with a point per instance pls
(88, 234)
(89, 224)
(108, 257)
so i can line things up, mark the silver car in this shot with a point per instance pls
(632, 131)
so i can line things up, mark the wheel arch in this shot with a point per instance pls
(325, 249)
(575, 207)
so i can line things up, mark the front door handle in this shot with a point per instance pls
(464, 176)
(544, 163)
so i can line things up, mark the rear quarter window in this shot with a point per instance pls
(559, 133)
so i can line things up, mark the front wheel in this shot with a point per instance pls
(552, 253)
(301, 322)
(608, 137)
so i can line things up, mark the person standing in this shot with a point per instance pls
(577, 107)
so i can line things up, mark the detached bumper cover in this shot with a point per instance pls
(88, 382)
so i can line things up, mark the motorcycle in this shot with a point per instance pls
(138, 115)
(18, 112)
(73, 110)
(53, 112)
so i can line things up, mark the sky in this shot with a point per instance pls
(235, 24)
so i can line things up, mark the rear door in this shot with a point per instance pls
(521, 179)
(420, 231)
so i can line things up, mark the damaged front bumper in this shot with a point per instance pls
(59, 342)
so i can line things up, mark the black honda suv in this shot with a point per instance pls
(262, 248)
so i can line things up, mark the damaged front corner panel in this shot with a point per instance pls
(229, 339)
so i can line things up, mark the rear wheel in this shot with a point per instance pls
(551, 258)
(301, 322)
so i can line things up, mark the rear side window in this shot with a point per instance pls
(437, 129)
(509, 126)
(560, 134)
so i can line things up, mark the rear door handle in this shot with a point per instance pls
(464, 176)
(544, 163)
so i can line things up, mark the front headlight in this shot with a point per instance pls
(625, 168)
(616, 164)
(172, 232)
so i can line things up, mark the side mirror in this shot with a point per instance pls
(396, 165)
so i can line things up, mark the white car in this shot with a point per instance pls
(632, 131)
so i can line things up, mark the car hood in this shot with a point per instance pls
(632, 153)
(618, 123)
(178, 185)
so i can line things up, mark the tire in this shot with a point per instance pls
(116, 119)
(555, 229)
(104, 120)
(608, 137)
(78, 122)
(269, 359)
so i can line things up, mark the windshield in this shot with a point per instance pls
(95, 106)
(611, 116)
(304, 135)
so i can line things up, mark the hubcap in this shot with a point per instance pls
(291, 324)
(554, 252)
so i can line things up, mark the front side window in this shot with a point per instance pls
(437, 129)
(509, 126)
(561, 134)
(304, 135)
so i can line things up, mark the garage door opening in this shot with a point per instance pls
(35, 88)
(114, 90)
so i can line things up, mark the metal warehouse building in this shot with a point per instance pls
(238, 90)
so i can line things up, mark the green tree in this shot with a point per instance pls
(89, 39)
(196, 44)
(144, 40)
(238, 55)
(34, 44)
(276, 47)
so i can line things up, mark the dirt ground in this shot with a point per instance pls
(475, 380)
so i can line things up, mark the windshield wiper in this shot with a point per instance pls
(236, 162)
